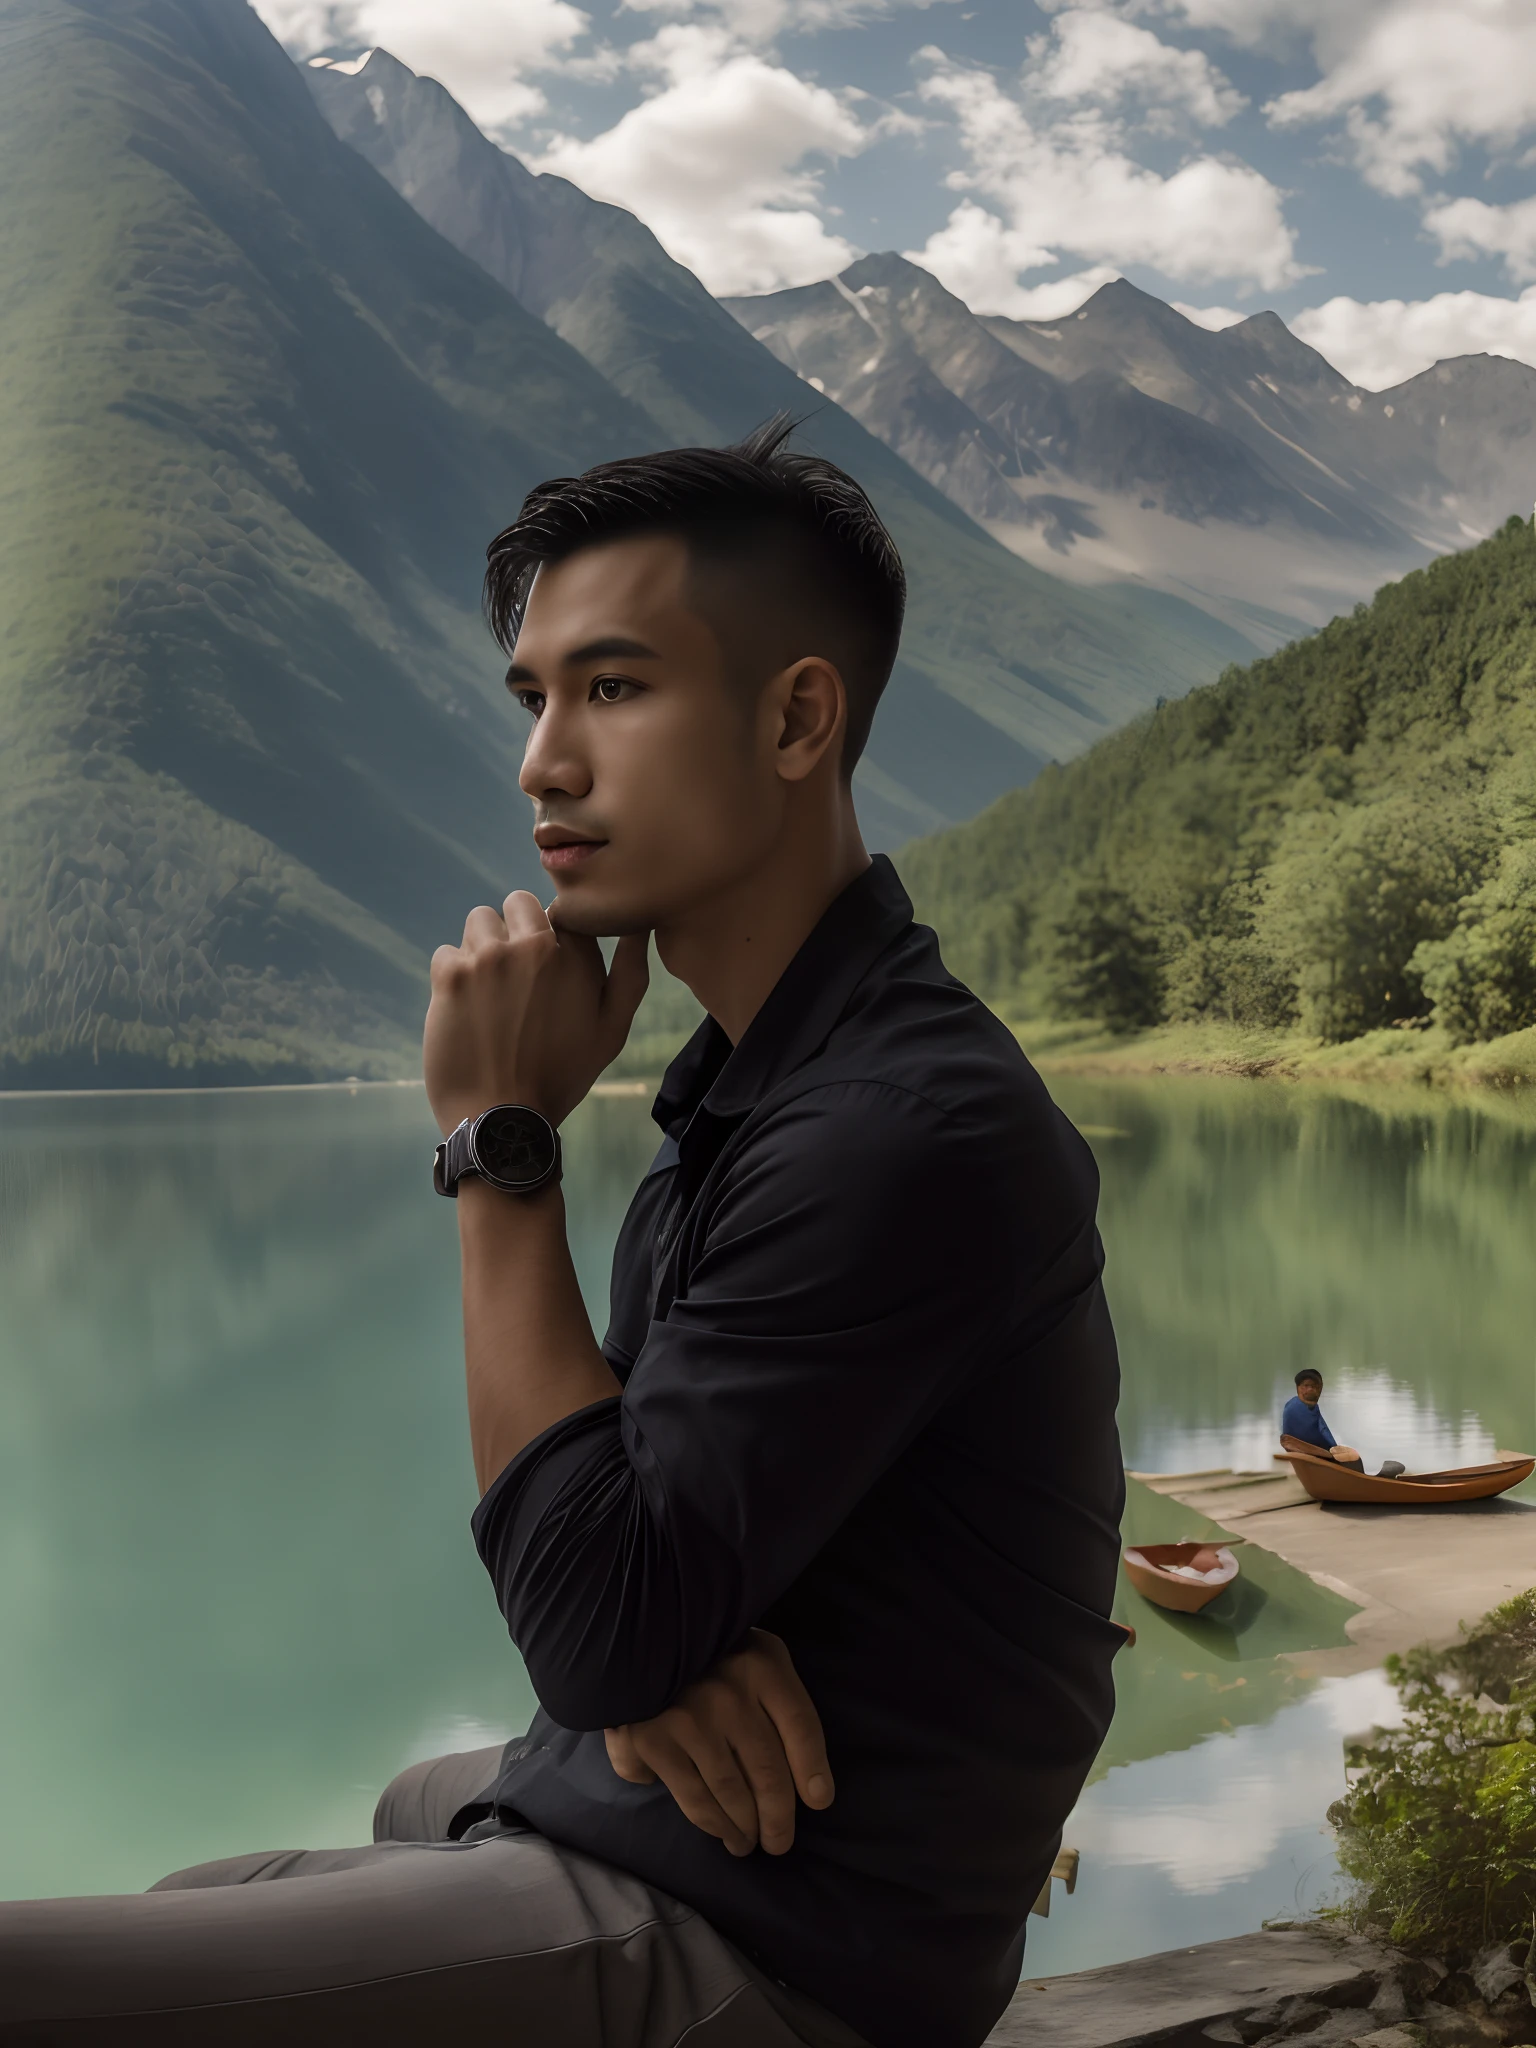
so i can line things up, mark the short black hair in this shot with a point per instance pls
(824, 551)
(1309, 1372)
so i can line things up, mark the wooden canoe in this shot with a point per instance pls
(1325, 1479)
(1147, 1568)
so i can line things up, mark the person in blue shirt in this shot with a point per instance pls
(1303, 1418)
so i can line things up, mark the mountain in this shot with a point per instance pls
(1238, 469)
(1383, 450)
(259, 420)
(1340, 839)
(1003, 668)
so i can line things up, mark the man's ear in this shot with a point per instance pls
(812, 709)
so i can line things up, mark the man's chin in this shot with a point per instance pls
(590, 914)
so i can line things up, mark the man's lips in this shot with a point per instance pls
(565, 856)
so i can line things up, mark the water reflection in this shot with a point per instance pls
(1211, 1840)
(237, 1590)
(1255, 1228)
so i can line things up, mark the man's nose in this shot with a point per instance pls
(555, 761)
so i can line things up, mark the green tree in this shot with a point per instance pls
(1481, 977)
(1351, 896)
(1100, 961)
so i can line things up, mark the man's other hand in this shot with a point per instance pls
(523, 1013)
(735, 1749)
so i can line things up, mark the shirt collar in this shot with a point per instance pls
(804, 1004)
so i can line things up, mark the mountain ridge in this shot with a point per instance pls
(1267, 487)
(998, 672)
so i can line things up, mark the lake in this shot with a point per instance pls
(237, 1588)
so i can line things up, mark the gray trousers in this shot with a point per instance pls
(413, 1940)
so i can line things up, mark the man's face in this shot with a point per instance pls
(650, 768)
(1311, 1391)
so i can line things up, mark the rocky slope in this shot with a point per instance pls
(1236, 468)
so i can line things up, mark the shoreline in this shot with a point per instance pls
(352, 1085)
(1401, 1060)
(1414, 1573)
(1421, 1061)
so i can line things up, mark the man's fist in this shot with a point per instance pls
(521, 1012)
(735, 1749)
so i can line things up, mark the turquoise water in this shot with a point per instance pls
(237, 1589)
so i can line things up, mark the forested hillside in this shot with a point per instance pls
(1340, 837)
(258, 420)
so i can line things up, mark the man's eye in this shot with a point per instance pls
(532, 701)
(611, 689)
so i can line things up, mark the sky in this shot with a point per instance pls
(1366, 168)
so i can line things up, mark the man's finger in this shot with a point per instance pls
(483, 926)
(678, 1772)
(760, 1754)
(523, 914)
(788, 1706)
(627, 1761)
(446, 962)
(713, 1757)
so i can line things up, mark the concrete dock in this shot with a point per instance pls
(1414, 1573)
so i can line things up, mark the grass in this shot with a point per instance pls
(1423, 1058)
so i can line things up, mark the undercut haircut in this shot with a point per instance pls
(791, 530)
(1309, 1374)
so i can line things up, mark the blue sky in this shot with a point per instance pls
(1365, 167)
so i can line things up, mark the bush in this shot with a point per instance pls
(1438, 1830)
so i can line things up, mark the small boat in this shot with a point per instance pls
(1326, 1479)
(1183, 1576)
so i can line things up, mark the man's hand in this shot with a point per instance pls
(734, 1749)
(521, 1012)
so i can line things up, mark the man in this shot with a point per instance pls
(840, 1491)
(1303, 1418)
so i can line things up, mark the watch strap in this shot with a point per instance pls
(457, 1156)
(451, 1161)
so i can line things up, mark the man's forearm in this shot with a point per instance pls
(529, 1354)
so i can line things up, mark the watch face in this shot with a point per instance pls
(513, 1147)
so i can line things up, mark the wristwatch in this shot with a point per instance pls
(509, 1145)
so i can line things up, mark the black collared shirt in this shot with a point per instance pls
(869, 1393)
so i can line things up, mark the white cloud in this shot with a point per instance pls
(1385, 341)
(1410, 81)
(978, 258)
(1213, 317)
(1065, 185)
(485, 55)
(1471, 227)
(715, 163)
(1089, 55)
(1413, 79)
(760, 22)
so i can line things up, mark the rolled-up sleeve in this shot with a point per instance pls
(828, 1309)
